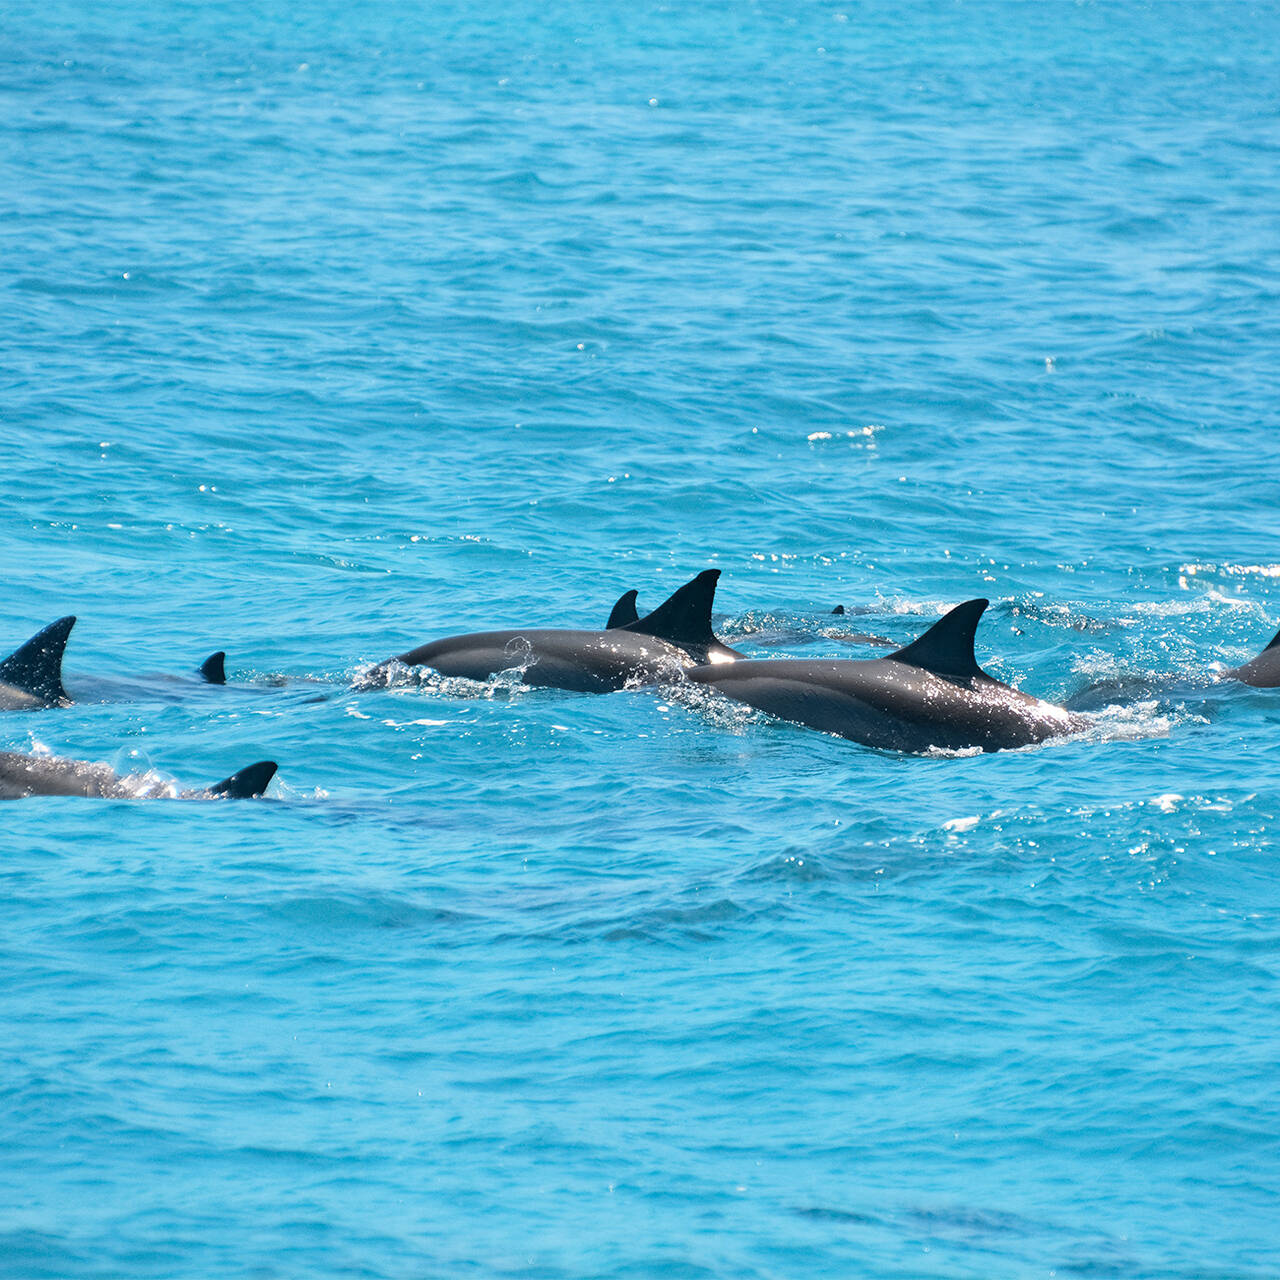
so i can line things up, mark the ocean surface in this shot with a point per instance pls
(332, 328)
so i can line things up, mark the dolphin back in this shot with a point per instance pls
(1262, 672)
(248, 783)
(946, 649)
(214, 668)
(684, 619)
(36, 667)
(624, 612)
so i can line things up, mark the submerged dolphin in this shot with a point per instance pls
(624, 612)
(676, 636)
(1263, 672)
(26, 775)
(932, 693)
(31, 676)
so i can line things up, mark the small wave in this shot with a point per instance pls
(860, 437)
(720, 712)
(355, 912)
(289, 794)
(1230, 570)
(1133, 722)
(792, 867)
(1195, 605)
(148, 786)
(699, 922)
(395, 675)
(961, 753)
(1065, 615)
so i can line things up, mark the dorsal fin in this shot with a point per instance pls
(249, 782)
(36, 667)
(214, 669)
(624, 612)
(946, 648)
(685, 616)
(1261, 671)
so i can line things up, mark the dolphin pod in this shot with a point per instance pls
(929, 694)
(31, 677)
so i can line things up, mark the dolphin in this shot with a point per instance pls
(27, 775)
(932, 693)
(676, 636)
(31, 676)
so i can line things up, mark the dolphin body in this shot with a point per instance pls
(932, 693)
(31, 676)
(26, 775)
(675, 637)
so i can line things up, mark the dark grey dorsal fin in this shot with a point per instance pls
(214, 668)
(624, 612)
(1275, 641)
(946, 648)
(685, 616)
(247, 783)
(36, 667)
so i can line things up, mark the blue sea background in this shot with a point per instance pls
(329, 329)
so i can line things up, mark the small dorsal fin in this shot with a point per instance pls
(214, 669)
(946, 648)
(248, 783)
(685, 616)
(838, 611)
(624, 612)
(1275, 641)
(36, 667)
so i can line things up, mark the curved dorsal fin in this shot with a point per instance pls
(248, 783)
(36, 667)
(624, 612)
(685, 616)
(946, 648)
(214, 669)
(1275, 640)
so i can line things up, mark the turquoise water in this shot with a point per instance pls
(331, 331)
